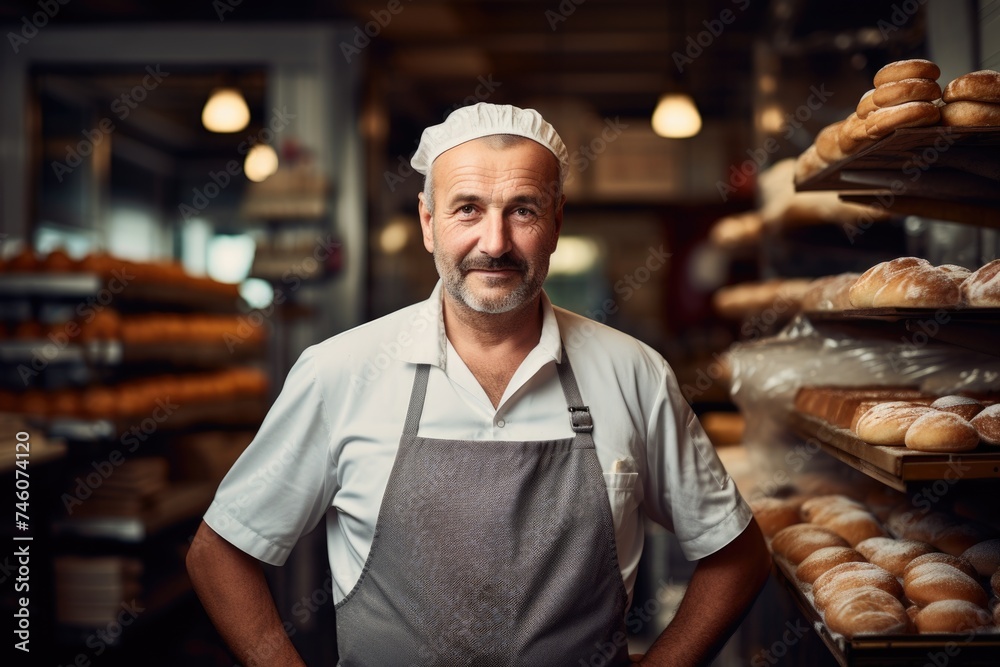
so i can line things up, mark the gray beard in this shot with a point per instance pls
(456, 285)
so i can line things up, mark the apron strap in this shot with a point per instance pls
(416, 400)
(580, 419)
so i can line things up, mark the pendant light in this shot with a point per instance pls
(225, 111)
(676, 116)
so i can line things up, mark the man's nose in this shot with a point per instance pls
(495, 238)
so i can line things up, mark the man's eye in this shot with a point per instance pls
(524, 212)
(468, 209)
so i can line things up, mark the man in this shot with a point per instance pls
(483, 460)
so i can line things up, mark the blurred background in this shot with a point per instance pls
(193, 192)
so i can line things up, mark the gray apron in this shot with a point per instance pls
(492, 553)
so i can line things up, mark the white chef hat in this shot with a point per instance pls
(482, 120)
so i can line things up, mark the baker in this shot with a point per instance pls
(483, 460)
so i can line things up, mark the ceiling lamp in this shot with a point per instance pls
(261, 162)
(676, 117)
(225, 111)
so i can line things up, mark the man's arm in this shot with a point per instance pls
(232, 588)
(722, 589)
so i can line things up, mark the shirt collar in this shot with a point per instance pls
(430, 345)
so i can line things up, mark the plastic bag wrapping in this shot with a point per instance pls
(767, 374)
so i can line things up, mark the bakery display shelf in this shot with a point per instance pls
(178, 503)
(220, 352)
(895, 466)
(246, 410)
(916, 650)
(951, 173)
(97, 290)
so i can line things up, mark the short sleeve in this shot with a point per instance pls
(283, 483)
(690, 492)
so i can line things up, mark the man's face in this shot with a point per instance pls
(495, 222)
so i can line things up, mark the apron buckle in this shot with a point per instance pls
(580, 419)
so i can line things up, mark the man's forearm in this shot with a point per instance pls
(721, 592)
(233, 590)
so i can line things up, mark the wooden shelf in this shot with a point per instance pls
(895, 466)
(950, 173)
(974, 650)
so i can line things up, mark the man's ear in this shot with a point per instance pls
(426, 222)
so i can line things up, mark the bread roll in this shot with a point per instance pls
(970, 114)
(798, 541)
(980, 86)
(958, 274)
(956, 540)
(918, 287)
(938, 431)
(808, 164)
(931, 582)
(982, 288)
(956, 562)
(985, 557)
(915, 68)
(866, 611)
(874, 576)
(995, 583)
(987, 424)
(884, 121)
(855, 526)
(860, 411)
(774, 514)
(862, 293)
(853, 135)
(963, 406)
(828, 144)
(887, 423)
(830, 293)
(893, 555)
(822, 560)
(951, 616)
(866, 104)
(906, 90)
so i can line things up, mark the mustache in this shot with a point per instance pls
(493, 264)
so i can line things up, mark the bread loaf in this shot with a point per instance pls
(937, 431)
(808, 164)
(915, 68)
(906, 90)
(887, 423)
(830, 293)
(822, 560)
(987, 424)
(951, 616)
(931, 582)
(855, 526)
(839, 582)
(774, 514)
(918, 287)
(819, 508)
(970, 114)
(984, 556)
(798, 541)
(853, 135)
(862, 293)
(956, 562)
(980, 86)
(982, 288)
(963, 406)
(866, 610)
(893, 555)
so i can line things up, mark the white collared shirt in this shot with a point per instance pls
(327, 445)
